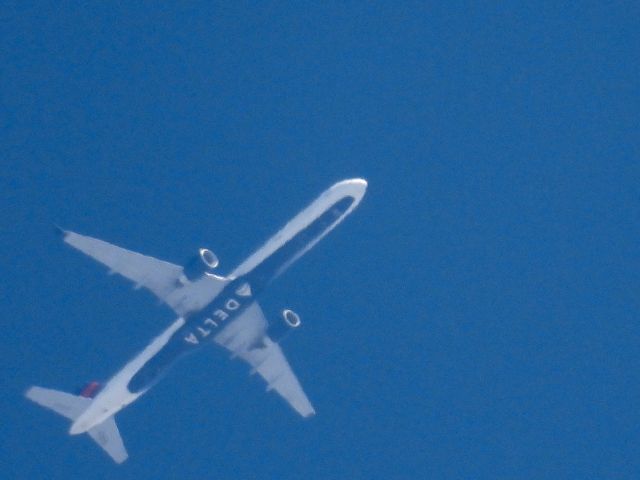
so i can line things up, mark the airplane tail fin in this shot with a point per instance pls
(71, 406)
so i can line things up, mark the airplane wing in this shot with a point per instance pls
(160, 277)
(246, 338)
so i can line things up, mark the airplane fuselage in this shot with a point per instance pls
(244, 285)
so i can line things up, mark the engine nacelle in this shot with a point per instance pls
(287, 321)
(291, 318)
(204, 262)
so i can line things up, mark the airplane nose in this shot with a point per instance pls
(354, 187)
(359, 181)
(362, 183)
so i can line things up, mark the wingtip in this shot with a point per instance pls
(28, 393)
(61, 232)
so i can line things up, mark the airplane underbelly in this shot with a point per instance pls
(303, 231)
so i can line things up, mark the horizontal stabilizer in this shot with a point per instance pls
(108, 437)
(63, 403)
(71, 406)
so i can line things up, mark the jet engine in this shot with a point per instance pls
(287, 321)
(291, 318)
(204, 262)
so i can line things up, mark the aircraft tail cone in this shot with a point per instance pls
(105, 434)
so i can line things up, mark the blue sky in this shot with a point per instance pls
(477, 317)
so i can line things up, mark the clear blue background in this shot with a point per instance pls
(477, 317)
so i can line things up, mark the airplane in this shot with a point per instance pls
(211, 309)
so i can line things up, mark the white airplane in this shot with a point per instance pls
(211, 309)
